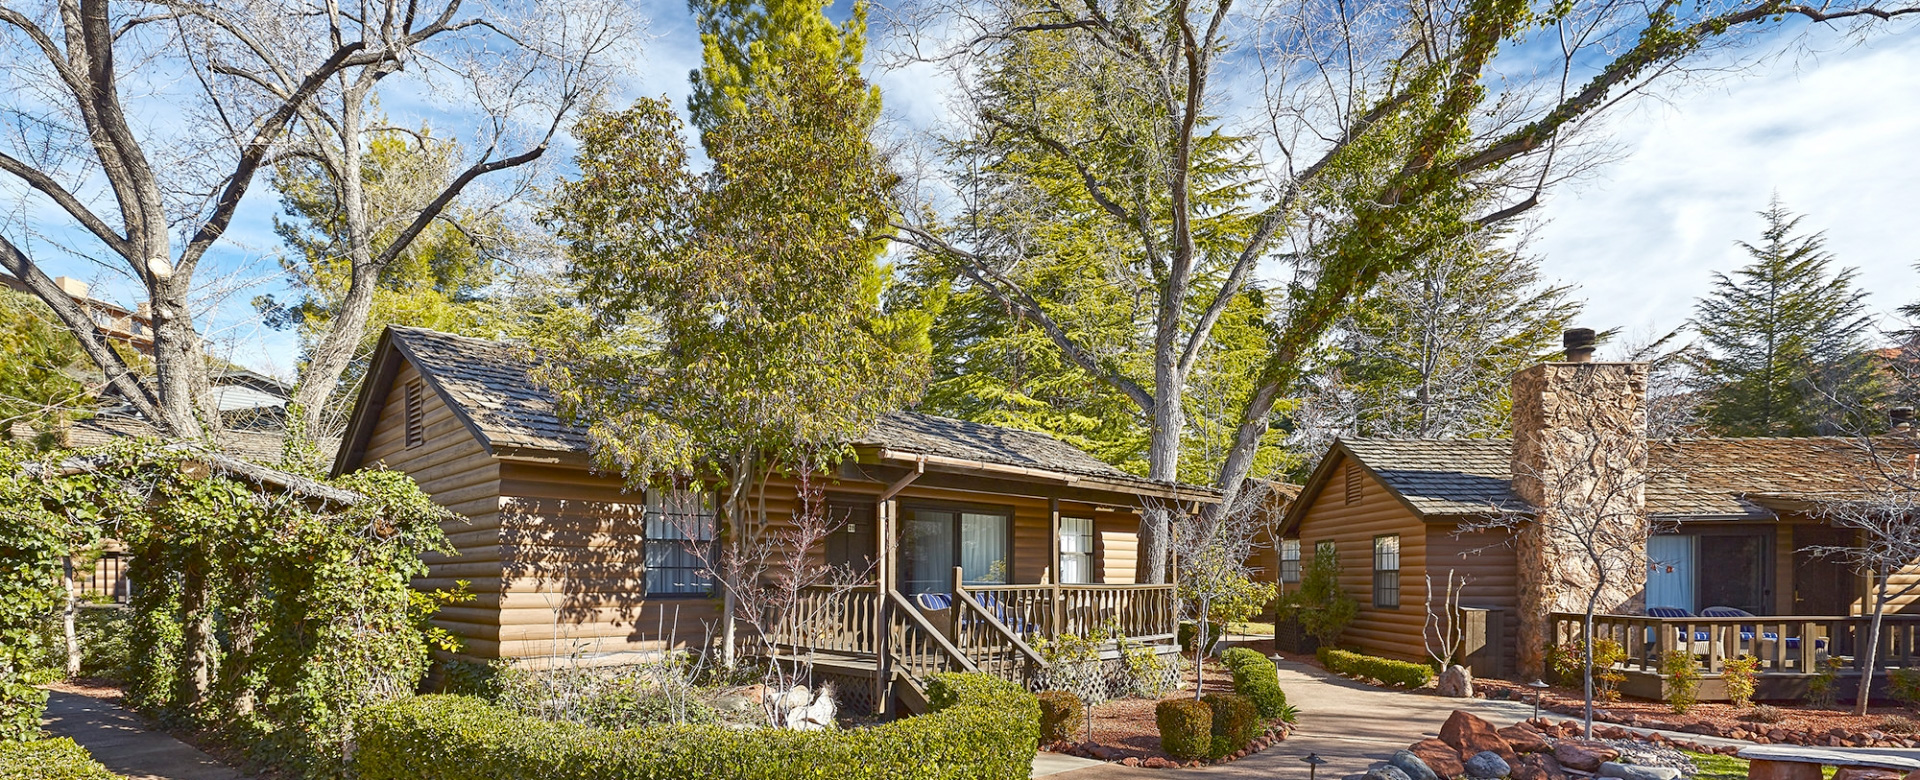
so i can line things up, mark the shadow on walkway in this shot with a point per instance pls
(122, 741)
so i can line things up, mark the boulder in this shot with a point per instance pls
(1525, 739)
(1406, 761)
(1538, 766)
(1867, 773)
(1585, 755)
(1439, 756)
(1630, 772)
(1487, 764)
(1159, 762)
(1388, 772)
(1456, 682)
(1471, 735)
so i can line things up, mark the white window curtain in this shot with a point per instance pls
(983, 548)
(1076, 550)
(1670, 568)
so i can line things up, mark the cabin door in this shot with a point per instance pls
(1735, 572)
(1821, 585)
(853, 545)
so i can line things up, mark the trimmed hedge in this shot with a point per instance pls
(1186, 727)
(982, 728)
(56, 758)
(1386, 670)
(1061, 715)
(1255, 677)
(1235, 723)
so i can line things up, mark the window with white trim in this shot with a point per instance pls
(1076, 550)
(1386, 571)
(1289, 560)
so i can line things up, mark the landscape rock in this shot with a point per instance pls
(1538, 766)
(1585, 755)
(1439, 756)
(1415, 769)
(1488, 764)
(1456, 682)
(1631, 772)
(1388, 772)
(1525, 739)
(1471, 735)
(1159, 762)
(1867, 773)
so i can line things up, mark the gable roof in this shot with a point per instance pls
(490, 388)
(1692, 479)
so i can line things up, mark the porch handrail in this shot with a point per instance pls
(1007, 638)
(904, 608)
(1798, 644)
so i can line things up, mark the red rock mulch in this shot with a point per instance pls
(1799, 724)
(1534, 750)
(1124, 730)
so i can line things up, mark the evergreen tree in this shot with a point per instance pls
(1786, 340)
(41, 367)
(1430, 351)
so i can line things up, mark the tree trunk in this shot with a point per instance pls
(1163, 465)
(180, 374)
(197, 634)
(69, 617)
(1588, 645)
(1869, 656)
(335, 352)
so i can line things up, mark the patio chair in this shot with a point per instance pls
(1747, 632)
(1699, 637)
(937, 607)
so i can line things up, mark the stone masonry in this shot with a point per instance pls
(1580, 464)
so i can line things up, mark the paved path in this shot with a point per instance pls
(121, 741)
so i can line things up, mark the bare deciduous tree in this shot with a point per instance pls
(1216, 577)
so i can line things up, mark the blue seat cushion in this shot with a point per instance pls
(934, 600)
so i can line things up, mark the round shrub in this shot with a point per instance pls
(1061, 716)
(1235, 723)
(1186, 728)
(1255, 677)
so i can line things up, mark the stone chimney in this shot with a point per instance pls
(1580, 464)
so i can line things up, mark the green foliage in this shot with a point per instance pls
(1187, 633)
(1321, 608)
(102, 633)
(1256, 677)
(56, 758)
(745, 43)
(1787, 351)
(1061, 716)
(260, 610)
(1186, 727)
(1150, 673)
(749, 296)
(1904, 684)
(1682, 672)
(35, 537)
(1820, 686)
(40, 369)
(1738, 675)
(982, 729)
(1404, 674)
(1235, 723)
(1567, 662)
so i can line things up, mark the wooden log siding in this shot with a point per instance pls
(1352, 526)
(450, 465)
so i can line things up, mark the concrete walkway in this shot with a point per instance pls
(121, 740)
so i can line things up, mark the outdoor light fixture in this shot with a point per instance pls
(1313, 762)
(1089, 706)
(1539, 689)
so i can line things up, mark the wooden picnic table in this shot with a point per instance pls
(1777, 762)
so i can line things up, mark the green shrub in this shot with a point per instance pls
(1904, 685)
(104, 651)
(1321, 608)
(1061, 716)
(1388, 671)
(1186, 728)
(1568, 663)
(981, 729)
(1683, 680)
(1255, 677)
(1820, 692)
(1738, 674)
(50, 759)
(1186, 634)
(1235, 723)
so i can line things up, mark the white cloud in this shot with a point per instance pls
(1643, 238)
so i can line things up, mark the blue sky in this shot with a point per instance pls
(1639, 236)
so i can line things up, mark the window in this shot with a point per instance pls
(1386, 571)
(1289, 560)
(679, 522)
(1352, 476)
(1323, 550)
(1076, 550)
(934, 539)
(416, 413)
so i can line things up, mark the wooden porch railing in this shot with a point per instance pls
(1142, 612)
(1784, 645)
(982, 633)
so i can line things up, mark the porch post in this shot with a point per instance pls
(1057, 606)
(883, 606)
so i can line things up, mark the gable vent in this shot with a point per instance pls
(416, 413)
(1353, 483)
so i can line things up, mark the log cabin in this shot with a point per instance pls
(977, 539)
(1728, 560)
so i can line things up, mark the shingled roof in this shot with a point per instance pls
(1705, 478)
(489, 384)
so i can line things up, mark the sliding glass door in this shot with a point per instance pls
(935, 538)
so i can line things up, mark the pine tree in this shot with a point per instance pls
(1786, 340)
